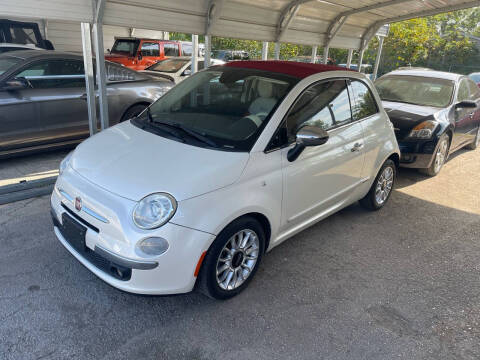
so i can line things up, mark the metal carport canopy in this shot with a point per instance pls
(333, 23)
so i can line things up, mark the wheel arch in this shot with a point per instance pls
(141, 102)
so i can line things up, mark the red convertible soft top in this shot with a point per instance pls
(292, 68)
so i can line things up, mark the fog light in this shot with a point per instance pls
(153, 246)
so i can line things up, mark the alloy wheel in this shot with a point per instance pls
(384, 185)
(441, 155)
(237, 259)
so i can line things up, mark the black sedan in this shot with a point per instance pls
(434, 114)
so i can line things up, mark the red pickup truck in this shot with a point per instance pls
(138, 54)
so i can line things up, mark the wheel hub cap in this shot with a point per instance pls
(384, 185)
(237, 259)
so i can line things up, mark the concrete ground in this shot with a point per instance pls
(401, 283)
(32, 167)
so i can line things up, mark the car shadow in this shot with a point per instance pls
(408, 271)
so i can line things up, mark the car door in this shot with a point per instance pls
(324, 177)
(462, 116)
(150, 54)
(475, 118)
(51, 110)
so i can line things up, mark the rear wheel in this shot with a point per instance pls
(476, 142)
(441, 154)
(133, 111)
(233, 259)
(381, 188)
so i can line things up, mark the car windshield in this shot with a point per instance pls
(228, 106)
(417, 90)
(475, 77)
(168, 65)
(125, 46)
(7, 62)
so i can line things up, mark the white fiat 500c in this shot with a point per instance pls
(224, 167)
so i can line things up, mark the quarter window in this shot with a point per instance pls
(364, 104)
(171, 49)
(474, 91)
(150, 49)
(47, 74)
(325, 105)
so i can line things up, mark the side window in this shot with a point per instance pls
(463, 92)
(150, 49)
(363, 104)
(171, 49)
(48, 74)
(474, 90)
(186, 50)
(325, 105)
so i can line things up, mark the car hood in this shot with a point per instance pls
(133, 163)
(159, 75)
(117, 56)
(406, 116)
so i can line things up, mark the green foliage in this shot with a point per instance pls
(436, 42)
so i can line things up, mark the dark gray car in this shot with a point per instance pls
(43, 101)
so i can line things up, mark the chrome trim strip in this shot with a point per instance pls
(85, 209)
(120, 260)
(66, 195)
(94, 214)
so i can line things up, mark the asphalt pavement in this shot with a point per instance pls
(401, 283)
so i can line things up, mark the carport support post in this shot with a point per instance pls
(277, 51)
(265, 50)
(360, 60)
(379, 55)
(100, 60)
(194, 67)
(349, 58)
(325, 54)
(89, 77)
(314, 54)
(208, 50)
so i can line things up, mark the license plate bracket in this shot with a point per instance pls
(73, 232)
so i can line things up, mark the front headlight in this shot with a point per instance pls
(423, 130)
(154, 211)
(64, 163)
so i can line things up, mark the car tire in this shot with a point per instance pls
(381, 188)
(228, 268)
(476, 142)
(133, 111)
(440, 158)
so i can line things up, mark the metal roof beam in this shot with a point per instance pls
(372, 30)
(443, 9)
(213, 14)
(337, 23)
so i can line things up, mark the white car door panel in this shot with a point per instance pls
(323, 176)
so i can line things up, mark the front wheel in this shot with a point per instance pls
(381, 188)
(233, 259)
(441, 154)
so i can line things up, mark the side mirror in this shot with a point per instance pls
(139, 57)
(15, 84)
(47, 44)
(187, 72)
(466, 104)
(307, 136)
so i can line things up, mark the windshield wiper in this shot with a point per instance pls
(165, 129)
(191, 132)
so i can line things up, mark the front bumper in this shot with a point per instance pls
(109, 250)
(417, 154)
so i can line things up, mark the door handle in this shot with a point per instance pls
(84, 96)
(357, 147)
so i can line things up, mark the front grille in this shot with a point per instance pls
(117, 271)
